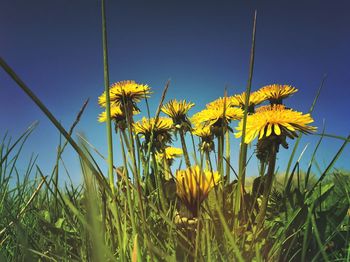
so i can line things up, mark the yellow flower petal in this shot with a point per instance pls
(277, 129)
(275, 117)
(269, 130)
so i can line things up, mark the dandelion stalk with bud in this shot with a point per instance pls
(177, 111)
(273, 124)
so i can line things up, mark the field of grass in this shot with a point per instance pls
(153, 209)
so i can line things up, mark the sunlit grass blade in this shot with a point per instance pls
(108, 104)
(330, 165)
(291, 157)
(228, 234)
(244, 147)
(23, 137)
(23, 210)
(51, 117)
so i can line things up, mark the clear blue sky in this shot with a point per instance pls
(202, 46)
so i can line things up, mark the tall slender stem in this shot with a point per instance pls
(228, 157)
(159, 184)
(208, 162)
(244, 147)
(268, 183)
(108, 122)
(221, 154)
(184, 148)
(125, 178)
(108, 105)
(194, 149)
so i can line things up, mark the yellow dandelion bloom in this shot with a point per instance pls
(202, 132)
(255, 98)
(116, 114)
(170, 153)
(177, 110)
(207, 137)
(146, 125)
(161, 130)
(193, 186)
(228, 101)
(173, 152)
(216, 116)
(128, 90)
(275, 93)
(275, 120)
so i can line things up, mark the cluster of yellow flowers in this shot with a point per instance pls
(194, 184)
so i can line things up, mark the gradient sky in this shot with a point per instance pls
(202, 46)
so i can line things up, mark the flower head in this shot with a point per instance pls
(217, 117)
(207, 138)
(161, 130)
(255, 98)
(124, 92)
(116, 114)
(228, 101)
(275, 120)
(276, 93)
(177, 111)
(193, 186)
(171, 153)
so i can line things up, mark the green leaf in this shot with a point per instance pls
(318, 197)
(59, 223)
(46, 215)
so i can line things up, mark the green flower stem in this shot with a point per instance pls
(194, 149)
(126, 140)
(262, 168)
(125, 178)
(208, 161)
(184, 148)
(159, 184)
(228, 157)
(201, 158)
(268, 184)
(221, 154)
(221, 168)
(167, 170)
(128, 107)
(150, 144)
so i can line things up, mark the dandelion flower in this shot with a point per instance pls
(127, 91)
(228, 101)
(202, 132)
(275, 120)
(220, 110)
(116, 114)
(216, 117)
(193, 186)
(177, 111)
(166, 158)
(207, 137)
(171, 153)
(276, 93)
(161, 130)
(255, 98)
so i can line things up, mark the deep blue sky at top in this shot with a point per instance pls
(202, 46)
